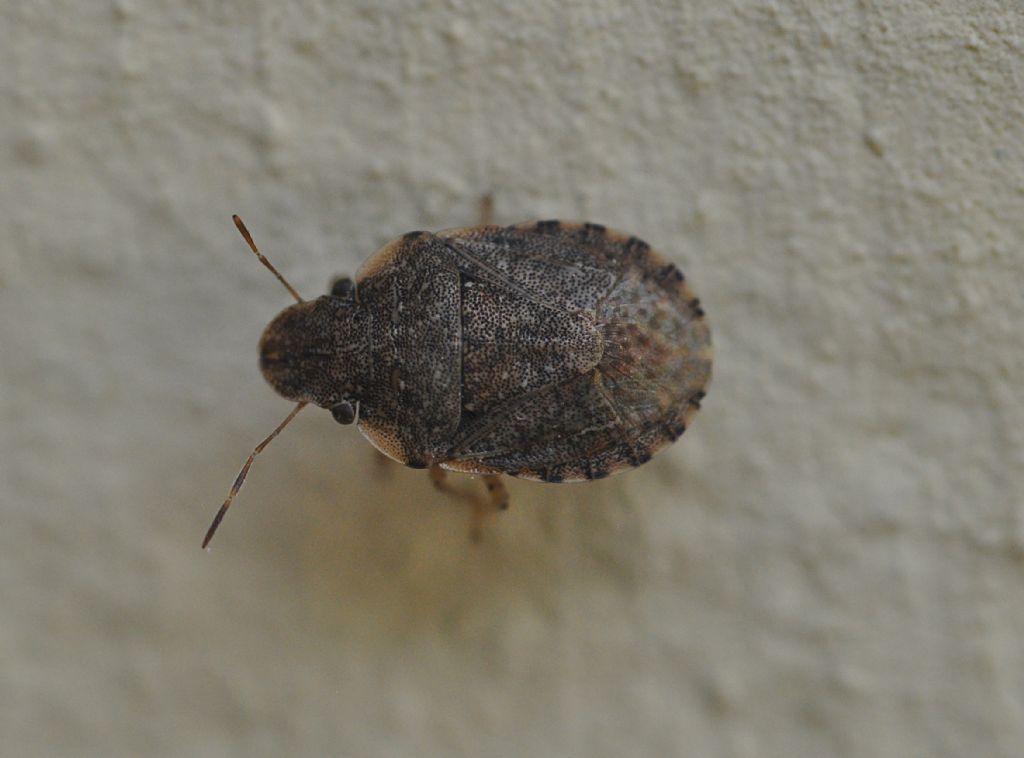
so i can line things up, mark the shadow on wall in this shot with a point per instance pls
(359, 538)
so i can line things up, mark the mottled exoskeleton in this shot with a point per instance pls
(546, 350)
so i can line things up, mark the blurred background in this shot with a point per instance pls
(830, 562)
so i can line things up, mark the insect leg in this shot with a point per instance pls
(497, 498)
(497, 491)
(381, 464)
(498, 501)
(439, 478)
(487, 209)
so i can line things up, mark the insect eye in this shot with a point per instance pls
(342, 287)
(343, 412)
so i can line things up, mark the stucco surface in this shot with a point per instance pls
(830, 562)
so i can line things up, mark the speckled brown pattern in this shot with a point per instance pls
(548, 350)
(641, 392)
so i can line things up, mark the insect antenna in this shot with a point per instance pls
(245, 471)
(263, 260)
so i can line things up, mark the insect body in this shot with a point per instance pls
(547, 350)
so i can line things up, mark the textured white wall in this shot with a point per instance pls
(831, 562)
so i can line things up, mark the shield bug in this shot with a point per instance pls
(546, 350)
